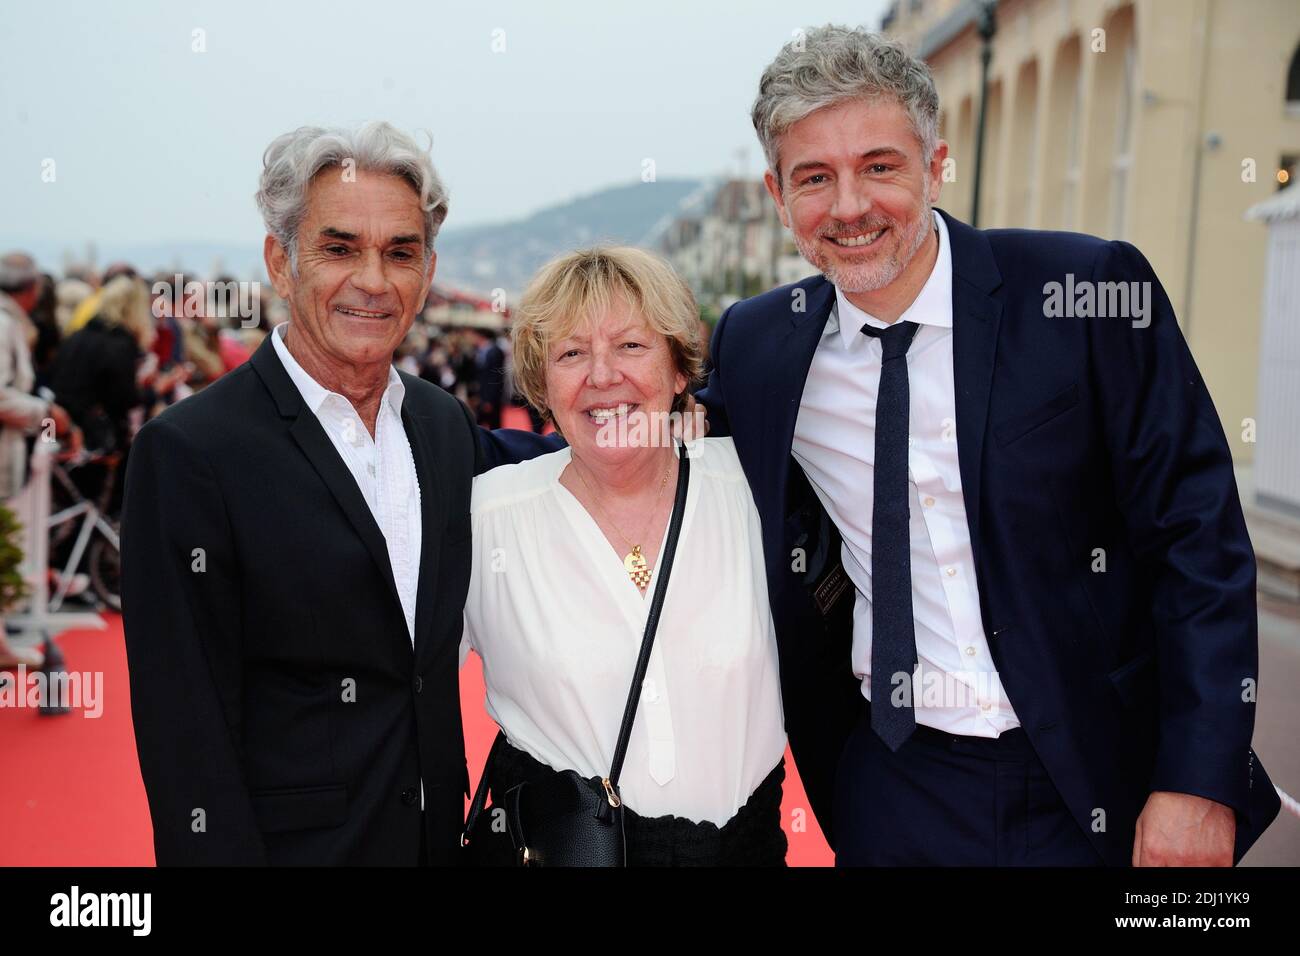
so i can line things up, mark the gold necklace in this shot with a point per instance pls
(638, 569)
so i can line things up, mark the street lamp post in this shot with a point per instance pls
(987, 29)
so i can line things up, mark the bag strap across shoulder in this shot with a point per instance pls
(651, 625)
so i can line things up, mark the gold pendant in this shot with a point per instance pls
(637, 569)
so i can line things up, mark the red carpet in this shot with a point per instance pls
(70, 792)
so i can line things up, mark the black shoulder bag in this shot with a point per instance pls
(568, 820)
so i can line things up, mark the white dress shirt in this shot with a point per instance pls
(558, 624)
(956, 688)
(382, 466)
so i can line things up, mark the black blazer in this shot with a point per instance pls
(94, 379)
(280, 713)
(1072, 434)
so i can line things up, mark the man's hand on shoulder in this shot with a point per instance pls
(694, 422)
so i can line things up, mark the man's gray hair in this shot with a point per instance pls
(17, 271)
(292, 160)
(830, 65)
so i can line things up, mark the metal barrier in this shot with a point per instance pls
(31, 507)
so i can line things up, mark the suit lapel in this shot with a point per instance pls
(315, 444)
(976, 318)
(791, 361)
(433, 503)
(324, 457)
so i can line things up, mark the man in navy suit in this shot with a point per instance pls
(1013, 588)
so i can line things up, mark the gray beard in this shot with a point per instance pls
(868, 278)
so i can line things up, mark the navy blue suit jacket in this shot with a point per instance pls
(1073, 434)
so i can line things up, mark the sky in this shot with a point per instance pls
(116, 128)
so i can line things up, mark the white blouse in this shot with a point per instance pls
(558, 624)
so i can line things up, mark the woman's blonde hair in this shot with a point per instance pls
(579, 287)
(125, 302)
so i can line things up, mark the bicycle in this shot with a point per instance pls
(90, 519)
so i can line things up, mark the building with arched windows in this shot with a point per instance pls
(1159, 122)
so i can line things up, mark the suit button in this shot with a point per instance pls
(419, 684)
(410, 796)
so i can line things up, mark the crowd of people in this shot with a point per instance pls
(471, 363)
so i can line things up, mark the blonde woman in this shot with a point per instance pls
(94, 376)
(567, 549)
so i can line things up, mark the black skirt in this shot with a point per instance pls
(753, 837)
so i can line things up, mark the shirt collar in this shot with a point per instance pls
(932, 305)
(316, 394)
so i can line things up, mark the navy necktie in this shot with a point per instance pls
(893, 635)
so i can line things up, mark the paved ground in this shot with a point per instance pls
(1277, 725)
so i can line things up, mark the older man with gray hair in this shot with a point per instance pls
(21, 412)
(1012, 585)
(295, 546)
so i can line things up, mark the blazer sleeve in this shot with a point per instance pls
(121, 394)
(712, 396)
(506, 446)
(509, 446)
(20, 410)
(181, 611)
(17, 408)
(1174, 484)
